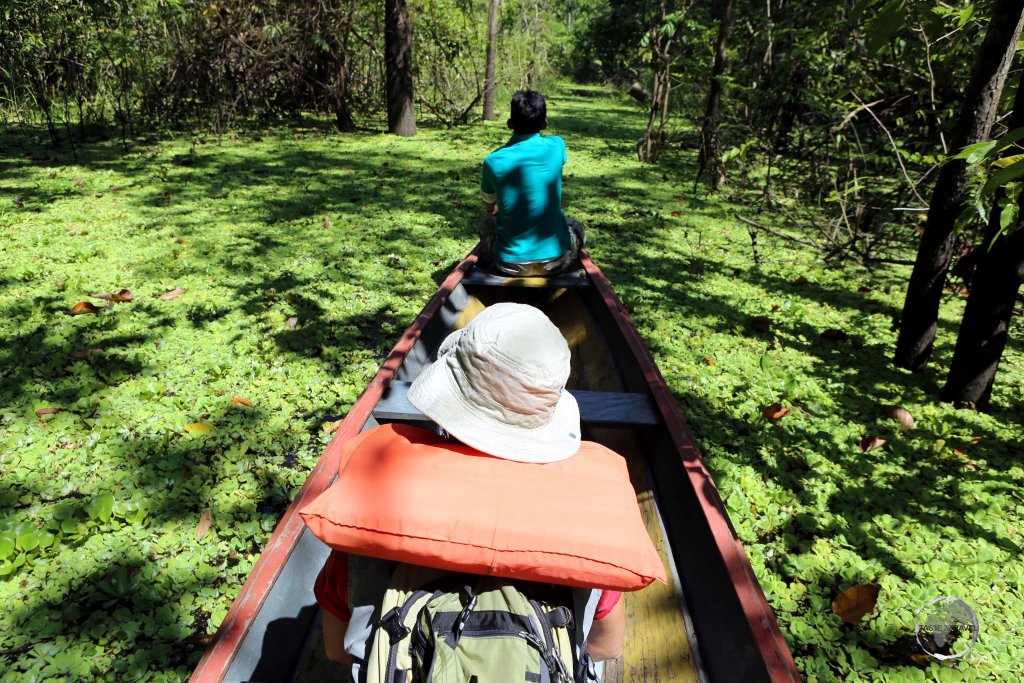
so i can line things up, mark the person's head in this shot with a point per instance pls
(498, 385)
(529, 112)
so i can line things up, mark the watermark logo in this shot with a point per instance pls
(946, 628)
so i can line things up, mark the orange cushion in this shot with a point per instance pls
(406, 494)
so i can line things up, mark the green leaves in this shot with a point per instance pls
(28, 541)
(990, 149)
(20, 543)
(101, 507)
(998, 166)
(1002, 176)
(889, 21)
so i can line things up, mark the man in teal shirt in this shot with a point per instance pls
(526, 233)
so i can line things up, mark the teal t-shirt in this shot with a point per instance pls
(524, 177)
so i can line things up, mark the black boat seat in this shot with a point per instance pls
(597, 408)
(481, 276)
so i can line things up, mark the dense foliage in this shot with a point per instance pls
(148, 448)
(184, 62)
(845, 104)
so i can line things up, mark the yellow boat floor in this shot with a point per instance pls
(656, 647)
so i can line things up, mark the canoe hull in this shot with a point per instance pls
(734, 630)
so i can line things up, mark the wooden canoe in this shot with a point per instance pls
(711, 623)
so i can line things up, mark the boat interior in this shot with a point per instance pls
(692, 629)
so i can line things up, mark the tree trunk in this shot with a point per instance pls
(342, 113)
(492, 40)
(986, 322)
(650, 146)
(974, 124)
(709, 156)
(398, 67)
(984, 329)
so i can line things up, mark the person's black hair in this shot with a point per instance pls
(529, 112)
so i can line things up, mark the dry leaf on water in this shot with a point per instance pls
(331, 427)
(241, 401)
(202, 428)
(761, 323)
(851, 605)
(291, 323)
(869, 443)
(119, 295)
(776, 412)
(173, 294)
(205, 518)
(709, 360)
(901, 415)
(49, 410)
(83, 307)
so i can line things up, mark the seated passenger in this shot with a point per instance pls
(496, 389)
(526, 232)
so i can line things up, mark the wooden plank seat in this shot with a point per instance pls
(597, 408)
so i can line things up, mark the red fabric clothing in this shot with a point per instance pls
(606, 603)
(331, 587)
(331, 590)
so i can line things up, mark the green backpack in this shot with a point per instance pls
(458, 628)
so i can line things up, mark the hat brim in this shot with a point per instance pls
(438, 396)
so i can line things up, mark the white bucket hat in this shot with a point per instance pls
(498, 385)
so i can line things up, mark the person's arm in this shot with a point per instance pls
(331, 591)
(608, 635)
(334, 639)
(488, 191)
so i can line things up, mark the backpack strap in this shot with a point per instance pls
(585, 601)
(550, 621)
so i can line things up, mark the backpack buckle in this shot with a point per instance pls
(393, 626)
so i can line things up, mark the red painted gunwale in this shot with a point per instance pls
(770, 642)
(219, 654)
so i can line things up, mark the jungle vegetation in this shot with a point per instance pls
(811, 209)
